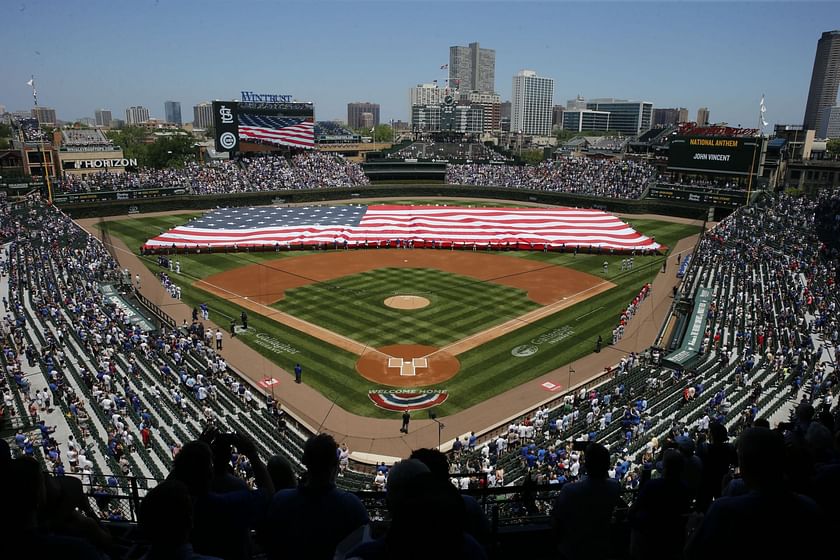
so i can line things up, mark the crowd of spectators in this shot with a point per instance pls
(695, 493)
(307, 170)
(31, 130)
(459, 151)
(576, 175)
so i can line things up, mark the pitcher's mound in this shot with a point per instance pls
(407, 302)
(407, 365)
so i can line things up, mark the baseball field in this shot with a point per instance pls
(448, 328)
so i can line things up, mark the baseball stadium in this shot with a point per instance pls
(528, 323)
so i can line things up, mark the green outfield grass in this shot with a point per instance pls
(353, 306)
(485, 371)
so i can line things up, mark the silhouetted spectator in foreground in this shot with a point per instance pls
(222, 521)
(658, 515)
(23, 495)
(166, 518)
(310, 521)
(475, 522)
(769, 521)
(717, 456)
(583, 511)
(281, 473)
(427, 519)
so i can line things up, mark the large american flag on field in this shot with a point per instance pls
(377, 225)
(280, 131)
(422, 225)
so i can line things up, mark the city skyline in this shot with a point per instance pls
(717, 65)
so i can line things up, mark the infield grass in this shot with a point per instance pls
(485, 371)
(354, 306)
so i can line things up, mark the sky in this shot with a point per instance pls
(87, 54)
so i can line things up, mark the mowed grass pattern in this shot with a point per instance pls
(354, 306)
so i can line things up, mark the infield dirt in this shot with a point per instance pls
(267, 282)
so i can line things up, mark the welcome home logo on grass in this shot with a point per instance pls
(399, 400)
(551, 337)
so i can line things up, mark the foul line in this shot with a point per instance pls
(521, 321)
(590, 313)
(274, 314)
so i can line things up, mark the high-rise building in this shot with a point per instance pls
(703, 116)
(531, 103)
(829, 123)
(45, 115)
(136, 115)
(490, 104)
(172, 110)
(504, 118)
(825, 79)
(103, 117)
(578, 103)
(472, 68)
(627, 117)
(2, 109)
(426, 94)
(355, 110)
(580, 120)
(367, 121)
(557, 116)
(663, 117)
(203, 115)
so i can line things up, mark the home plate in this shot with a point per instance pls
(549, 386)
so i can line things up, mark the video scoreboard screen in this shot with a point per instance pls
(715, 154)
(286, 124)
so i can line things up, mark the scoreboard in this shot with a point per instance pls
(726, 155)
(288, 123)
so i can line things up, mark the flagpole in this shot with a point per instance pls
(41, 143)
(761, 110)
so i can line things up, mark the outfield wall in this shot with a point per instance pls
(319, 196)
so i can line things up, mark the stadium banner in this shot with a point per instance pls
(719, 197)
(98, 163)
(692, 342)
(134, 194)
(132, 313)
(226, 123)
(729, 155)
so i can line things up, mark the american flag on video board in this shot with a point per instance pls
(463, 227)
(281, 131)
